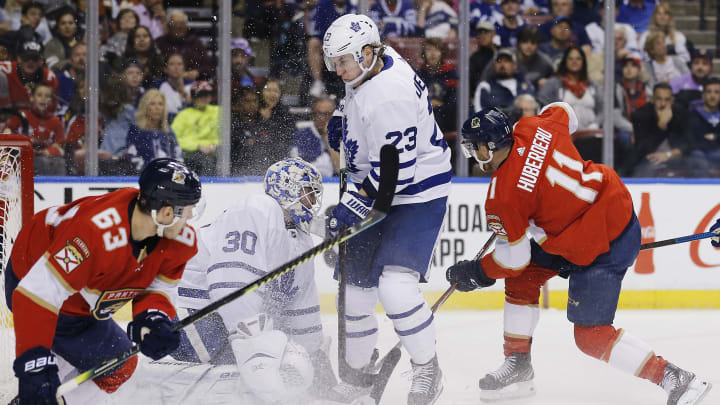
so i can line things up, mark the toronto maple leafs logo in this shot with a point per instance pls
(351, 149)
(282, 290)
(355, 26)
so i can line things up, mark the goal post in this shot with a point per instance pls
(16, 209)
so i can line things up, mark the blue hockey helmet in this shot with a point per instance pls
(297, 186)
(489, 126)
(168, 182)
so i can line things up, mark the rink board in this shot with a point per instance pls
(684, 276)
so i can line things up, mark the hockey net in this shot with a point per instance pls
(16, 207)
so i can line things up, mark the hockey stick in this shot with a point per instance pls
(681, 239)
(342, 286)
(390, 360)
(386, 191)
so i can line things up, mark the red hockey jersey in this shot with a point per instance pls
(14, 93)
(45, 131)
(76, 259)
(571, 207)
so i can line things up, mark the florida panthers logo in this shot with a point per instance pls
(355, 26)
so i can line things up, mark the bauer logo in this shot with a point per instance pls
(68, 258)
(111, 301)
(495, 223)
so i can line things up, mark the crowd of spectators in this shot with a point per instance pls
(159, 85)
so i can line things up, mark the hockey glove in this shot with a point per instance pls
(352, 208)
(468, 275)
(716, 239)
(37, 374)
(334, 130)
(153, 331)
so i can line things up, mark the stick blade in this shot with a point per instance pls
(389, 166)
(389, 363)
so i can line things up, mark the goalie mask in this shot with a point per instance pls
(489, 126)
(349, 34)
(297, 186)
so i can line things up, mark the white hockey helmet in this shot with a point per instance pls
(349, 34)
(291, 182)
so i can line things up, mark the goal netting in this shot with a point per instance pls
(16, 207)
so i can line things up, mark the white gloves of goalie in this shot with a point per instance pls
(272, 367)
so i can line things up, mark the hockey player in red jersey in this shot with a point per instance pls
(556, 214)
(75, 265)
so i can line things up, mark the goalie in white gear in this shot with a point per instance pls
(387, 103)
(255, 235)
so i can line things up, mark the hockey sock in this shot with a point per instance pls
(520, 322)
(621, 350)
(362, 325)
(411, 316)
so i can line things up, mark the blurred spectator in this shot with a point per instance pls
(631, 93)
(703, 130)
(311, 142)
(175, 87)
(573, 86)
(269, 140)
(141, 46)
(508, 27)
(485, 53)
(132, 73)
(275, 116)
(23, 33)
(596, 33)
(483, 10)
(289, 41)
(151, 137)
(75, 146)
(44, 130)
(688, 87)
(152, 15)
(503, 86)
(126, 21)
(57, 50)
(196, 128)
(117, 110)
(441, 79)
(437, 19)
(563, 10)
(661, 67)
(240, 60)
(325, 12)
(394, 18)
(29, 13)
(636, 13)
(524, 105)
(560, 39)
(24, 74)
(662, 20)
(533, 64)
(245, 130)
(180, 40)
(659, 140)
(73, 71)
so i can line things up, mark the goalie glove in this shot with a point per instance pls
(468, 275)
(352, 208)
(715, 240)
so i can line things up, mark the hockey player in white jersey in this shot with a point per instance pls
(387, 103)
(255, 235)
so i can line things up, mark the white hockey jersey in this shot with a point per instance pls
(244, 243)
(393, 107)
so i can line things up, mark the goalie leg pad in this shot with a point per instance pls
(362, 325)
(405, 305)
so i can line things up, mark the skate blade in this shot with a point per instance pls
(513, 391)
(697, 390)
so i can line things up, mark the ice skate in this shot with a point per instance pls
(683, 387)
(514, 379)
(426, 383)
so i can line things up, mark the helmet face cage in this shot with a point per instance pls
(293, 183)
(349, 34)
